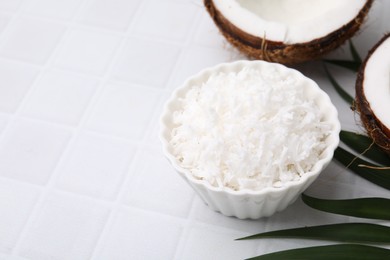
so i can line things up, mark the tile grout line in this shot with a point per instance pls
(106, 78)
(47, 187)
(70, 24)
(11, 115)
(14, 16)
(182, 240)
(161, 214)
(180, 57)
(41, 68)
(165, 89)
(117, 201)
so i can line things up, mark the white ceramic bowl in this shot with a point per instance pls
(246, 203)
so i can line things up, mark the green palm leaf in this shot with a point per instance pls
(363, 144)
(347, 64)
(354, 53)
(345, 232)
(372, 208)
(380, 177)
(334, 252)
(343, 94)
(353, 65)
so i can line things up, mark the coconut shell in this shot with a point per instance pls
(375, 128)
(263, 49)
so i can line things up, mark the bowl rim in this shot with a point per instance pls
(314, 172)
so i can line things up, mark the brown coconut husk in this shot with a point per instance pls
(375, 128)
(263, 49)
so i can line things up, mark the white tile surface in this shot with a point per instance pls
(30, 150)
(10, 5)
(10, 257)
(137, 62)
(60, 96)
(95, 166)
(152, 136)
(3, 123)
(82, 176)
(202, 214)
(208, 34)
(123, 110)
(110, 14)
(140, 235)
(369, 36)
(15, 80)
(4, 20)
(160, 25)
(31, 40)
(57, 9)
(87, 51)
(195, 58)
(64, 228)
(204, 242)
(160, 194)
(16, 201)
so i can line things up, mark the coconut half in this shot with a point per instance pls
(287, 31)
(373, 93)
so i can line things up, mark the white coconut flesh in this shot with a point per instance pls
(376, 84)
(289, 21)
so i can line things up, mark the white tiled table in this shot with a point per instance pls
(82, 83)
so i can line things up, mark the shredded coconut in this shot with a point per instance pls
(248, 130)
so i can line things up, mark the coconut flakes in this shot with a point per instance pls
(248, 130)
